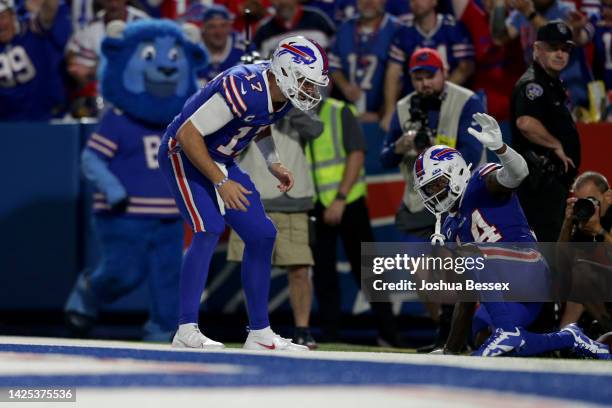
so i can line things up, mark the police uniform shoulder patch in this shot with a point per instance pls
(533, 91)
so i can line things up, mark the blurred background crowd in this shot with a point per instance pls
(50, 56)
(486, 45)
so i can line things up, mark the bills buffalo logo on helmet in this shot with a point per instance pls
(446, 153)
(301, 54)
(443, 154)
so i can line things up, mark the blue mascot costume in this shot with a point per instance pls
(147, 73)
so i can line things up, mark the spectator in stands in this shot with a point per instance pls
(498, 66)
(359, 56)
(259, 10)
(343, 10)
(83, 53)
(426, 28)
(225, 47)
(602, 63)
(337, 163)
(288, 212)
(524, 21)
(31, 52)
(291, 18)
(436, 112)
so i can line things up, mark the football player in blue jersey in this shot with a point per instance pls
(359, 57)
(482, 207)
(31, 56)
(197, 157)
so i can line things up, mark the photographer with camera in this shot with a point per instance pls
(437, 112)
(588, 215)
(588, 218)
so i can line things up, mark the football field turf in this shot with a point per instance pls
(139, 375)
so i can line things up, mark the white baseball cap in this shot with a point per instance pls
(6, 5)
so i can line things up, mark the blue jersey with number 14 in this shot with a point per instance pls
(246, 91)
(482, 217)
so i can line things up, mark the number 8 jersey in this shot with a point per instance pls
(482, 217)
(245, 90)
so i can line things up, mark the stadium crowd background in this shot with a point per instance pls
(479, 53)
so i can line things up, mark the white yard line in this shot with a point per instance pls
(502, 364)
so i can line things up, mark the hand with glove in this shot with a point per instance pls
(490, 136)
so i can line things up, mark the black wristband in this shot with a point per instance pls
(340, 196)
(532, 15)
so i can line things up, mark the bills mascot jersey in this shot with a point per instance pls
(148, 72)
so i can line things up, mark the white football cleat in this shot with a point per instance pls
(190, 336)
(266, 339)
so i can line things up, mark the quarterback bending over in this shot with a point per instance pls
(197, 158)
(482, 207)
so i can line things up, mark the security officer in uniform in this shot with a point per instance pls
(337, 159)
(544, 132)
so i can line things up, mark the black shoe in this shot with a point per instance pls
(303, 337)
(430, 347)
(79, 324)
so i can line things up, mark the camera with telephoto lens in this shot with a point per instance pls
(420, 123)
(584, 208)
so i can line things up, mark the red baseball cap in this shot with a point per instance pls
(427, 59)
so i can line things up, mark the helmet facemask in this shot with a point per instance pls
(303, 92)
(300, 67)
(440, 193)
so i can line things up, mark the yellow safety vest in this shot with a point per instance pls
(327, 158)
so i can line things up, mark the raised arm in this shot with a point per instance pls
(514, 169)
(48, 11)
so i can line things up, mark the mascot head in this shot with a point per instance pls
(148, 67)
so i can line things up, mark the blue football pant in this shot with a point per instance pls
(201, 206)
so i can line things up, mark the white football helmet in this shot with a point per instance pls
(300, 67)
(441, 176)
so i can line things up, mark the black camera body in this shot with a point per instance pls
(584, 208)
(419, 107)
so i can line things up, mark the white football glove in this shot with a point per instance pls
(491, 136)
